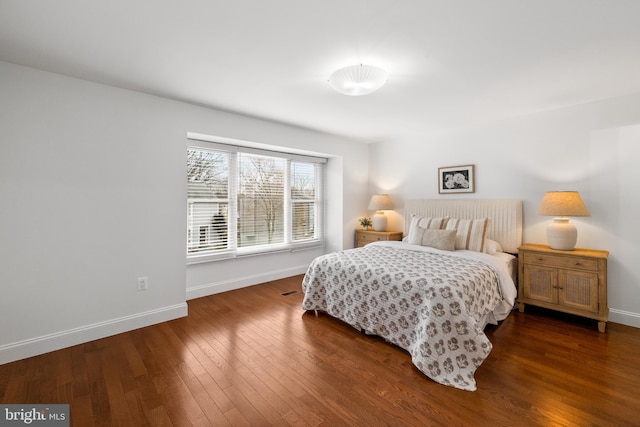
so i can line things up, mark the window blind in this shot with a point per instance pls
(208, 201)
(261, 202)
(304, 185)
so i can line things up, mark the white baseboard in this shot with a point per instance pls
(624, 317)
(71, 337)
(243, 282)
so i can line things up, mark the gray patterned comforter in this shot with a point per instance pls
(429, 302)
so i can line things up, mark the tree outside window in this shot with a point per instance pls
(260, 200)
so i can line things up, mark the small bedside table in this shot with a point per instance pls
(572, 282)
(364, 237)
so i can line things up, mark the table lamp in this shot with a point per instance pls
(561, 234)
(380, 203)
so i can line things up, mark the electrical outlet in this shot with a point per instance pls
(143, 283)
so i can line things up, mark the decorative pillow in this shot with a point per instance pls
(419, 224)
(439, 239)
(492, 247)
(470, 233)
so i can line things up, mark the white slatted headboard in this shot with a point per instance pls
(505, 224)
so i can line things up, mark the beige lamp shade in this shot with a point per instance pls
(380, 203)
(562, 203)
(561, 234)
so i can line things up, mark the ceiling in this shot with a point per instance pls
(450, 62)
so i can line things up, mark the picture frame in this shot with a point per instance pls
(456, 179)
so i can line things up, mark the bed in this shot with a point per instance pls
(433, 293)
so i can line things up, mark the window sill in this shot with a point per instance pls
(253, 251)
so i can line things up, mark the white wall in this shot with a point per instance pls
(592, 148)
(93, 196)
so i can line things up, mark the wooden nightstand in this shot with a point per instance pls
(364, 237)
(573, 282)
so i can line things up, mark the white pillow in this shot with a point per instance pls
(419, 224)
(470, 233)
(492, 247)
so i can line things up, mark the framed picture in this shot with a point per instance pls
(456, 179)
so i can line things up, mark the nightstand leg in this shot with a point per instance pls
(602, 327)
(521, 307)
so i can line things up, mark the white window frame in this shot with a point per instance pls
(233, 148)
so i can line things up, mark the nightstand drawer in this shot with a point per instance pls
(370, 237)
(549, 260)
(364, 237)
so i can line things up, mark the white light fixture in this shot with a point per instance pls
(380, 203)
(561, 234)
(357, 80)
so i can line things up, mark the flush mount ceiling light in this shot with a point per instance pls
(357, 80)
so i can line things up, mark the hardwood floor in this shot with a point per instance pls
(253, 357)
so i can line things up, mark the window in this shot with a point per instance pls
(243, 201)
(208, 200)
(261, 201)
(303, 200)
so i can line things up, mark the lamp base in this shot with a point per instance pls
(379, 221)
(561, 234)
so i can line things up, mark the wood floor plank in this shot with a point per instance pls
(252, 357)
